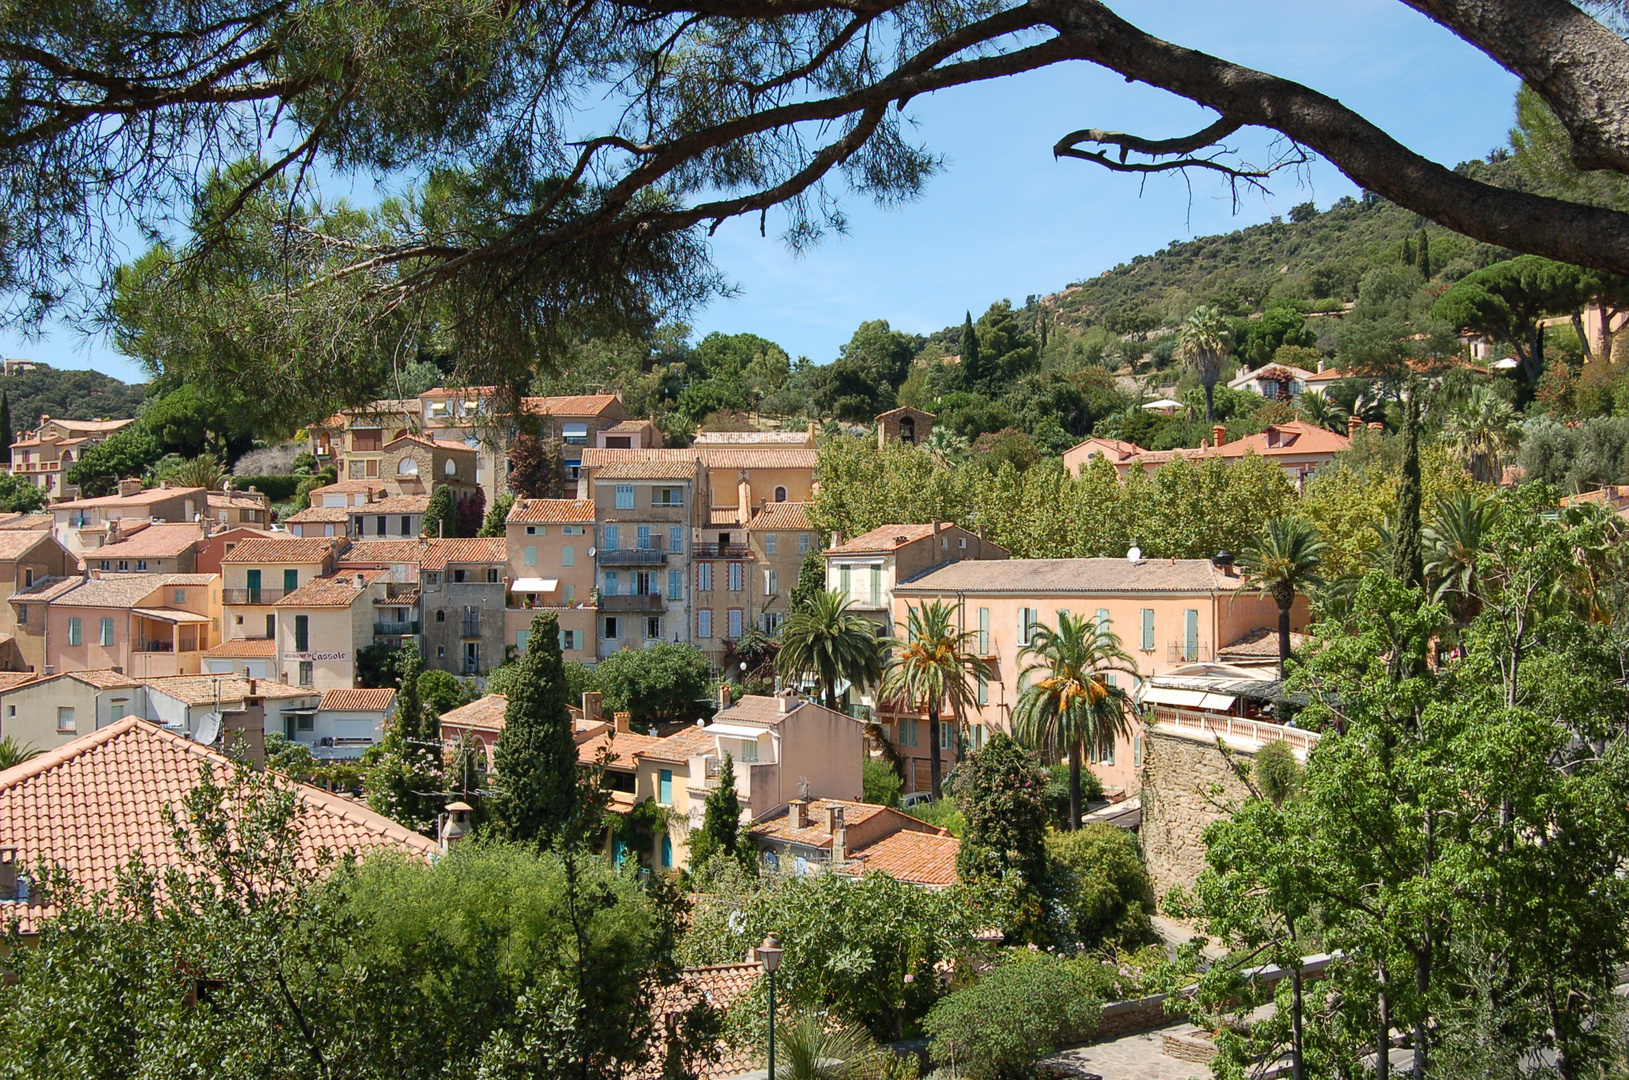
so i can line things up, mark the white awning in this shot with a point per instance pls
(735, 731)
(574, 431)
(534, 584)
(1217, 702)
(1187, 699)
(1163, 403)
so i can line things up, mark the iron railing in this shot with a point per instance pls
(252, 596)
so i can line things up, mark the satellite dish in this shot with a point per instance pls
(209, 728)
(1134, 554)
(590, 553)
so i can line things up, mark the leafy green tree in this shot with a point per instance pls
(1407, 557)
(1284, 560)
(127, 453)
(1482, 433)
(1508, 300)
(1003, 854)
(406, 778)
(721, 834)
(880, 782)
(19, 496)
(829, 642)
(664, 683)
(537, 467)
(972, 365)
(1204, 345)
(535, 758)
(1107, 897)
(811, 580)
(441, 692)
(1020, 1012)
(1454, 538)
(202, 471)
(191, 422)
(931, 665)
(497, 514)
(441, 514)
(1069, 703)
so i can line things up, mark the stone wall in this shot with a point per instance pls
(1186, 784)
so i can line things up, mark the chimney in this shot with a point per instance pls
(621, 720)
(244, 731)
(839, 837)
(1219, 434)
(592, 705)
(129, 487)
(1354, 424)
(797, 814)
(456, 825)
(743, 494)
(723, 696)
(814, 432)
(8, 873)
(788, 698)
(361, 581)
(1375, 425)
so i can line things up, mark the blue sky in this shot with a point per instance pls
(1004, 220)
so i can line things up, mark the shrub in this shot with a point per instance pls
(1104, 895)
(1056, 793)
(1019, 1013)
(1278, 774)
(943, 813)
(277, 488)
(880, 782)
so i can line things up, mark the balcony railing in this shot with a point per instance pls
(722, 551)
(155, 646)
(651, 556)
(636, 602)
(472, 627)
(1189, 652)
(400, 628)
(252, 596)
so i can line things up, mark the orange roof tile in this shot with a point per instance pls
(395, 504)
(14, 544)
(815, 833)
(782, 439)
(447, 445)
(284, 549)
(720, 985)
(207, 689)
(244, 648)
(332, 515)
(42, 520)
(334, 590)
(485, 713)
(484, 549)
(748, 458)
(884, 539)
(364, 552)
(348, 487)
(91, 805)
(570, 404)
(238, 500)
(551, 511)
(781, 516)
(140, 498)
(681, 746)
(11, 680)
(914, 857)
(160, 540)
(357, 700)
(624, 746)
(724, 515)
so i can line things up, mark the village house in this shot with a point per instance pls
(346, 724)
(142, 624)
(83, 525)
(550, 568)
(330, 511)
(191, 704)
(26, 557)
(1297, 447)
(1166, 612)
(324, 624)
(235, 509)
(52, 710)
(252, 658)
(854, 838)
(1275, 382)
(627, 435)
(579, 421)
(44, 456)
(462, 598)
(258, 572)
(149, 548)
(779, 537)
(904, 425)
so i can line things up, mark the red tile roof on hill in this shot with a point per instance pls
(244, 648)
(721, 986)
(485, 713)
(884, 539)
(484, 549)
(917, 858)
(339, 590)
(161, 540)
(91, 805)
(284, 549)
(356, 700)
(551, 511)
(781, 517)
(570, 404)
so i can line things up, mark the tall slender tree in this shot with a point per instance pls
(932, 666)
(972, 371)
(7, 435)
(1203, 343)
(405, 784)
(536, 756)
(1408, 562)
(441, 514)
(832, 643)
(720, 833)
(1071, 704)
(1284, 559)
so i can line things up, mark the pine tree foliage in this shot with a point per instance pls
(721, 834)
(406, 779)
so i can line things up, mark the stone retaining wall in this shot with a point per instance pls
(1186, 785)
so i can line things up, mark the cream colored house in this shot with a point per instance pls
(51, 711)
(549, 568)
(322, 625)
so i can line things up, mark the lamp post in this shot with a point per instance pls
(769, 954)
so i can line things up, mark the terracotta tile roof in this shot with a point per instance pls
(1258, 644)
(103, 678)
(917, 858)
(448, 445)
(815, 833)
(92, 425)
(202, 689)
(570, 404)
(766, 709)
(625, 745)
(331, 515)
(47, 589)
(284, 549)
(707, 439)
(14, 544)
(91, 805)
(746, 458)
(43, 520)
(630, 425)
(682, 746)
(484, 549)
(172, 615)
(783, 517)
(724, 515)
(140, 498)
(191, 580)
(460, 392)
(904, 410)
(348, 487)
(385, 406)
(1079, 576)
(1114, 449)
(245, 648)
(11, 680)
(550, 511)
(721, 986)
(335, 590)
(648, 464)
(238, 500)
(365, 552)
(485, 713)
(394, 504)
(356, 700)
(884, 539)
(160, 540)
(113, 591)
(1294, 437)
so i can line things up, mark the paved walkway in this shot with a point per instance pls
(1134, 1057)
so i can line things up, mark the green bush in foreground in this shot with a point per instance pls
(1019, 1013)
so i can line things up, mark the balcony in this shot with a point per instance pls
(155, 646)
(1189, 652)
(252, 596)
(651, 556)
(472, 627)
(721, 551)
(401, 628)
(636, 602)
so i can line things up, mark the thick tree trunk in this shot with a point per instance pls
(1284, 637)
(1210, 406)
(933, 749)
(831, 695)
(1382, 1065)
(1074, 786)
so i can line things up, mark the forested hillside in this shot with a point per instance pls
(72, 395)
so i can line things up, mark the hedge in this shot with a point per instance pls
(277, 488)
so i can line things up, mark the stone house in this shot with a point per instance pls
(82, 524)
(904, 425)
(27, 557)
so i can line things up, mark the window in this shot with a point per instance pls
(407, 525)
(613, 581)
(180, 596)
(22, 614)
(664, 788)
(302, 633)
(845, 581)
(876, 584)
(1137, 751)
(65, 718)
(771, 543)
(624, 497)
(667, 852)
(141, 565)
(780, 494)
(431, 577)
(803, 543)
(492, 575)
(737, 624)
(736, 577)
(379, 524)
(306, 722)
(529, 555)
(1148, 629)
(1027, 618)
(523, 638)
(675, 584)
(675, 539)
(570, 596)
(613, 538)
(907, 731)
(704, 622)
(569, 530)
(1102, 618)
(568, 640)
(653, 627)
(749, 751)
(124, 565)
(73, 631)
(441, 615)
(574, 434)
(947, 735)
(107, 632)
(459, 577)
(642, 537)
(984, 691)
(613, 630)
(1190, 635)
(984, 631)
(407, 467)
(704, 577)
(978, 735)
(668, 496)
(451, 468)
(305, 672)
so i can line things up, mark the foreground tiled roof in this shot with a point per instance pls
(884, 538)
(783, 517)
(238, 500)
(721, 986)
(485, 713)
(161, 540)
(550, 511)
(917, 858)
(103, 678)
(207, 689)
(284, 549)
(356, 700)
(766, 709)
(348, 487)
(338, 590)
(1080, 576)
(91, 805)
(654, 463)
(750, 458)
(245, 648)
(483, 549)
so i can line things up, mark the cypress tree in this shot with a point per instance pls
(441, 515)
(1408, 252)
(5, 427)
(721, 823)
(971, 375)
(1425, 255)
(404, 783)
(1407, 558)
(536, 755)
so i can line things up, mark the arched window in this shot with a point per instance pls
(441, 616)
(907, 429)
(452, 467)
(407, 467)
(67, 457)
(780, 494)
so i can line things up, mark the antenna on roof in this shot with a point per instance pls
(1135, 554)
(209, 727)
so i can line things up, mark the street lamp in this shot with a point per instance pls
(769, 954)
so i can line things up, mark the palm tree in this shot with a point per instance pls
(1453, 538)
(202, 471)
(930, 667)
(1074, 706)
(1482, 433)
(13, 752)
(1283, 559)
(830, 642)
(1202, 342)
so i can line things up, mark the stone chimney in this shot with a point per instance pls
(130, 487)
(113, 532)
(814, 431)
(361, 581)
(621, 720)
(1219, 434)
(244, 731)
(592, 706)
(723, 696)
(1354, 424)
(839, 837)
(797, 814)
(743, 498)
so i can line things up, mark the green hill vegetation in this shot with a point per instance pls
(69, 395)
